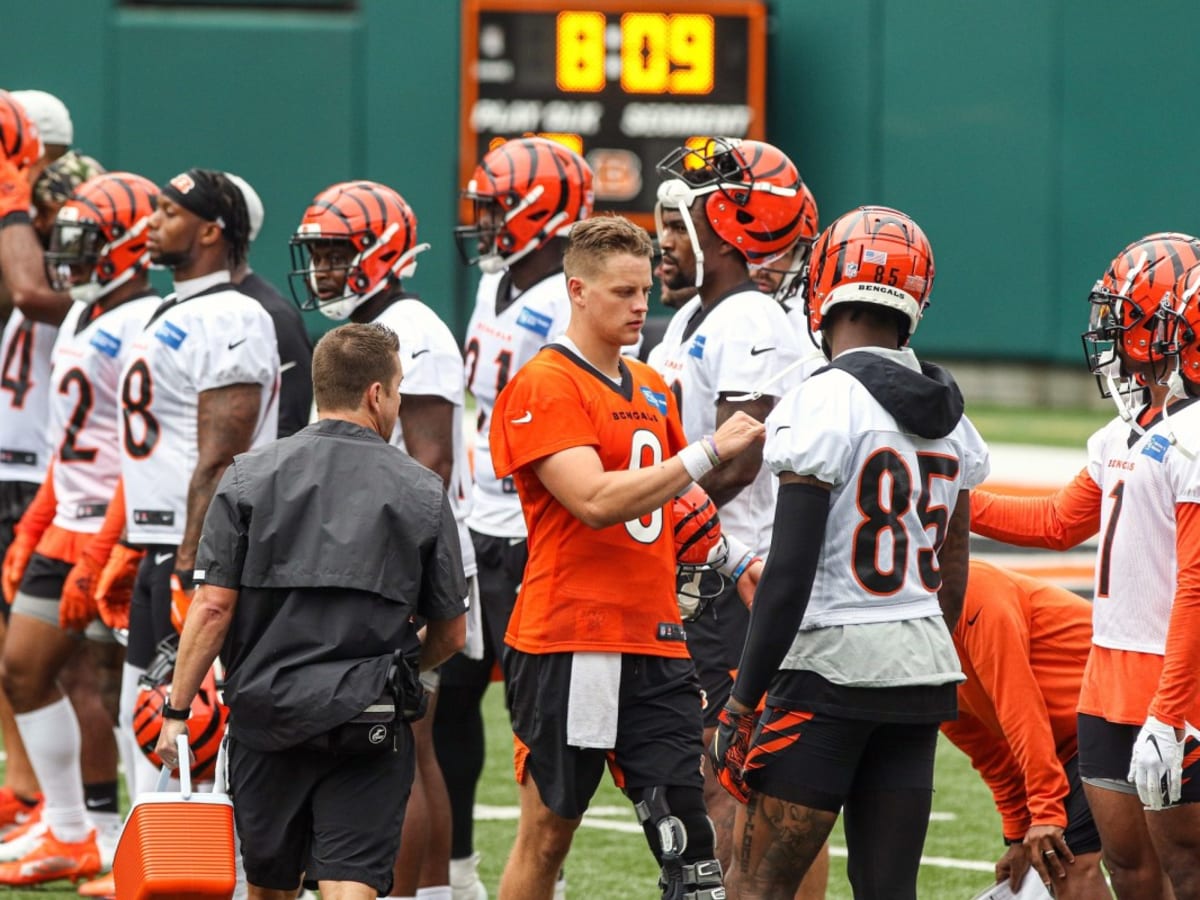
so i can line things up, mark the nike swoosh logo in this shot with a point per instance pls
(779, 428)
(233, 344)
(1154, 742)
(94, 804)
(971, 621)
(754, 351)
(417, 353)
(160, 558)
(528, 417)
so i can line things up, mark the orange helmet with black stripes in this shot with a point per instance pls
(375, 231)
(526, 192)
(20, 142)
(700, 549)
(99, 234)
(205, 728)
(872, 254)
(1177, 327)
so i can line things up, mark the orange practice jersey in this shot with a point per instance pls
(1023, 644)
(605, 589)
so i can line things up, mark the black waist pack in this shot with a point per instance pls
(374, 730)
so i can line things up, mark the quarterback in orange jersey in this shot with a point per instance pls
(1023, 644)
(1141, 491)
(598, 669)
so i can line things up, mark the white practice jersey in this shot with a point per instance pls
(25, 398)
(1140, 485)
(432, 367)
(89, 355)
(892, 497)
(739, 345)
(214, 339)
(501, 337)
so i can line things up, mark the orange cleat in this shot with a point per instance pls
(52, 859)
(105, 886)
(15, 811)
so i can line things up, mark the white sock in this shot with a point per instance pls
(52, 740)
(434, 893)
(140, 773)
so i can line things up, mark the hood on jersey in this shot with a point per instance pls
(927, 403)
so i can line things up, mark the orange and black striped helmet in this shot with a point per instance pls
(101, 231)
(757, 200)
(205, 728)
(533, 190)
(1177, 332)
(378, 230)
(872, 254)
(20, 142)
(700, 549)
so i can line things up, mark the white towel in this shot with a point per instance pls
(593, 702)
(473, 648)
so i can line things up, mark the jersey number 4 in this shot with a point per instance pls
(885, 497)
(18, 364)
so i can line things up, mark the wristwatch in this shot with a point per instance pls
(179, 715)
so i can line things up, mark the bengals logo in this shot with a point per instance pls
(183, 182)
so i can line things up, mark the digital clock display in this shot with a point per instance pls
(623, 83)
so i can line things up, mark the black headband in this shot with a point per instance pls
(196, 191)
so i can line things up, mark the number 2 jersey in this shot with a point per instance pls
(92, 347)
(609, 589)
(24, 398)
(212, 339)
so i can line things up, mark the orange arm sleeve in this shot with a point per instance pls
(1178, 689)
(993, 760)
(40, 512)
(1058, 522)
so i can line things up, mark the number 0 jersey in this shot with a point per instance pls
(24, 398)
(92, 348)
(892, 497)
(504, 333)
(213, 339)
(609, 589)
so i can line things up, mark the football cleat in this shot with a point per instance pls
(15, 811)
(21, 840)
(104, 886)
(51, 859)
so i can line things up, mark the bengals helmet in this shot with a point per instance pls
(100, 233)
(1124, 303)
(534, 190)
(873, 254)
(756, 200)
(700, 549)
(205, 728)
(1177, 330)
(20, 142)
(378, 232)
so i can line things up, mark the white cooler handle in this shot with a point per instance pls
(185, 769)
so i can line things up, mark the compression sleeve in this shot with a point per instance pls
(782, 596)
(1059, 521)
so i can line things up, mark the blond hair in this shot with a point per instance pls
(593, 240)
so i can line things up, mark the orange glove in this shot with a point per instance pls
(114, 588)
(16, 193)
(26, 535)
(78, 606)
(183, 590)
(16, 561)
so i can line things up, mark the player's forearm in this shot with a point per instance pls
(954, 562)
(1057, 522)
(203, 636)
(23, 266)
(201, 489)
(727, 481)
(443, 638)
(1178, 691)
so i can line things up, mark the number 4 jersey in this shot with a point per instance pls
(890, 439)
(24, 398)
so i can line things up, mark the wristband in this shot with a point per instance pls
(710, 445)
(1009, 842)
(177, 715)
(16, 217)
(746, 562)
(187, 580)
(696, 460)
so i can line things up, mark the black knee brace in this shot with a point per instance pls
(682, 839)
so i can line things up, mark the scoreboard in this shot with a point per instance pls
(622, 82)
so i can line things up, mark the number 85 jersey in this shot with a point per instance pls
(888, 434)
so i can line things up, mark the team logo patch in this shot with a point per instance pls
(534, 321)
(183, 182)
(1156, 448)
(697, 348)
(655, 399)
(171, 335)
(106, 343)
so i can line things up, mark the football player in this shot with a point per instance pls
(354, 247)
(1023, 644)
(1141, 492)
(849, 637)
(99, 238)
(722, 207)
(526, 194)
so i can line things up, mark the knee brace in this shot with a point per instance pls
(683, 840)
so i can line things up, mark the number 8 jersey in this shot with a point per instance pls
(893, 490)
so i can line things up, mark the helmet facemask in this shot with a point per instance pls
(82, 260)
(358, 285)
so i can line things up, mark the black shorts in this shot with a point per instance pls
(1080, 834)
(817, 760)
(501, 563)
(15, 497)
(715, 641)
(1105, 751)
(44, 577)
(150, 610)
(659, 728)
(330, 816)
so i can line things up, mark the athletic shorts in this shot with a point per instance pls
(150, 610)
(1105, 751)
(15, 497)
(715, 642)
(817, 760)
(659, 729)
(1080, 834)
(40, 594)
(330, 816)
(501, 567)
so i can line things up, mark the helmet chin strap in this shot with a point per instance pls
(1118, 398)
(1175, 388)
